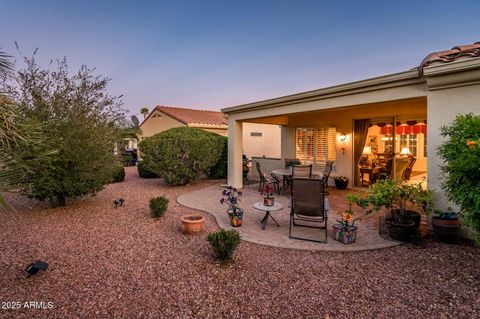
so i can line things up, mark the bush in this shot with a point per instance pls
(224, 243)
(81, 122)
(145, 172)
(461, 154)
(127, 159)
(158, 206)
(181, 155)
(219, 170)
(118, 174)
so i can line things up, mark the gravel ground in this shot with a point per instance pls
(120, 263)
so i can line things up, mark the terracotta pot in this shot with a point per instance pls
(192, 223)
(447, 230)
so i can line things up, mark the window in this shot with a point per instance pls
(409, 141)
(316, 145)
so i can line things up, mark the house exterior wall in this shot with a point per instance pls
(155, 125)
(266, 145)
(443, 106)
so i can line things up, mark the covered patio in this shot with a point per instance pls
(368, 237)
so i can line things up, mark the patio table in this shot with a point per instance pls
(267, 210)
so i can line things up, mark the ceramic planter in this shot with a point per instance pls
(268, 201)
(447, 230)
(345, 236)
(235, 217)
(192, 223)
(341, 184)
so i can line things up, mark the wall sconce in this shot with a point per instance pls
(343, 138)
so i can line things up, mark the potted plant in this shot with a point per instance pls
(230, 197)
(446, 226)
(460, 152)
(192, 223)
(400, 200)
(268, 199)
(341, 182)
(345, 231)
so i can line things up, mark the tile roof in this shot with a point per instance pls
(471, 50)
(192, 116)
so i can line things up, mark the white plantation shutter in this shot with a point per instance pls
(316, 145)
(332, 144)
(300, 143)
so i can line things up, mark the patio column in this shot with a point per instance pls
(235, 146)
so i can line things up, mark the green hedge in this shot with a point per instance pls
(181, 155)
(118, 174)
(219, 170)
(145, 172)
(224, 243)
(158, 206)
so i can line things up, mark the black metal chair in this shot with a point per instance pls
(265, 180)
(302, 171)
(308, 206)
(326, 174)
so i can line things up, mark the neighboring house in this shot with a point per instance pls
(397, 115)
(259, 139)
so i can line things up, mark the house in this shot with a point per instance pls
(395, 117)
(262, 140)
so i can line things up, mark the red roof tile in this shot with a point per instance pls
(471, 50)
(192, 116)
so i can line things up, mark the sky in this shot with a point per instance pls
(214, 54)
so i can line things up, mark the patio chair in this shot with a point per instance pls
(265, 180)
(408, 171)
(308, 206)
(326, 174)
(302, 171)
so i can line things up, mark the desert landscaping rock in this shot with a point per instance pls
(120, 263)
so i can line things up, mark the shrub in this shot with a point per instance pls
(224, 243)
(158, 206)
(461, 154)
(79, 119)
(181, 155)
(219, 170)
(127, 159)
(145, 172)
(118, 174)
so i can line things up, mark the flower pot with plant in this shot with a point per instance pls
(230, 197)
(400, 201)
(341, 182)
(268, 199)
(446, 226)
(345, 231)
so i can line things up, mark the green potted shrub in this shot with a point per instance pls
(461, 167)
(401, 201)
(446, 226)
(341, 182)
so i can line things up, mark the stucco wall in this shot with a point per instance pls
(156, 125)
(268, 145)
(443, 107)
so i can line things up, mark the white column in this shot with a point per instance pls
(235, 145)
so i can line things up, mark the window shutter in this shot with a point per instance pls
(332, 143)
(322, 147)
(300, 144)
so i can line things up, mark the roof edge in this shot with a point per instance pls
(366, 84)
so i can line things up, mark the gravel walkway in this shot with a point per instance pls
(120, 263)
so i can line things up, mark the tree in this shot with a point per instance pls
(5, 64)
(81, 122)
(144, 111)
